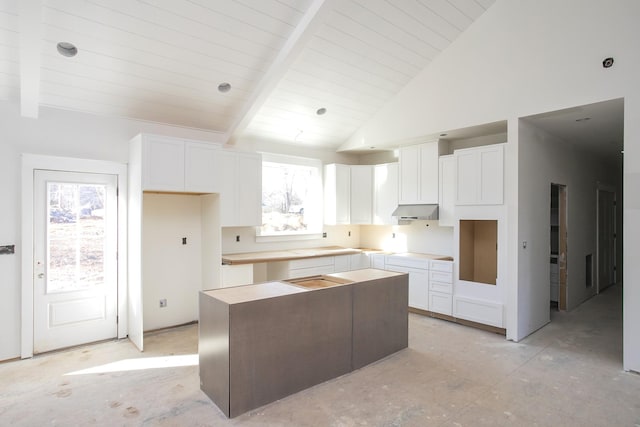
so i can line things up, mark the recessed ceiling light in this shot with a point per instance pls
(584, 119)
(321, 111)
(67, 49)
(224, 87)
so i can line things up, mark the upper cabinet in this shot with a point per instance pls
(385, 196)
(480, 175)
(361, 194)
(447, 191)
(162, 164)
(183, 166)
(241, 195)
(337, 194)
(419, 174)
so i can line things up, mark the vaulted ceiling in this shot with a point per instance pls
(163, 60)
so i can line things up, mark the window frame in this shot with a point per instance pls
(314, 232)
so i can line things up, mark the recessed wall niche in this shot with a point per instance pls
(479, 251)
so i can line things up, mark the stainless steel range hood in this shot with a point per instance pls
(406, 213)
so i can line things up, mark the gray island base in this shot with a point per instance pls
(259, 343)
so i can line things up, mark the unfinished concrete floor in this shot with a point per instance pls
(568, 374)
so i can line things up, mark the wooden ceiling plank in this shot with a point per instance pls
(313, 18)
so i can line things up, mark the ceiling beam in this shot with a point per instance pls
(30, 56)
(310, 22)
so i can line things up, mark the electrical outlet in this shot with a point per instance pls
(184, 240)
(238, 238)
(163, 303)
(393, 235)
(349, 234)
(324, 234)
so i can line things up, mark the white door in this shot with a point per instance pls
(75, 256)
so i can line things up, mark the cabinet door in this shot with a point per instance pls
(480, 175)
(446, 194)
(202, 162)
(418, 285)
(440, 303)
(428, 175)
(409, 160)
(378, 261)
(337, 194)
(249, 190)
(385, 196)
(163, 160)
(467, 171)
(359, 261)
(491, 175)
(342, 263)
(228, 173)
(361, 194)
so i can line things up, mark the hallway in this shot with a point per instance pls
(568, 373)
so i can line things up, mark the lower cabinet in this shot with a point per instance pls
(418, 280)
(441, 287)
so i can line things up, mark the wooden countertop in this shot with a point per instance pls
(286, 255)
(240, 294)
(423, 256)
(273, 289)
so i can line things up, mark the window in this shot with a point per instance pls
(291, 196)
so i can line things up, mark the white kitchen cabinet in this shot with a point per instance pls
(175, 165)
(419, 174)
(441, 287)
(341, 263)
(447, 191)
(361, 194)
(202, 163)
(359, 261)
(378, 261)
(385, 195)
(480, 175)
(418, 270)
(236, 275)
(162, 163)
(241, 189)
(337, 194)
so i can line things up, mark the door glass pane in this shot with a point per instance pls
(75, 236)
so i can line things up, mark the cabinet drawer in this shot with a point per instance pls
(310, 271)
(404, 261)
(311, 262)
(440, 276)
(446, 266)
(446, 288)
(440, 303)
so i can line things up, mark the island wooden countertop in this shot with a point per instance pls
(286, 255)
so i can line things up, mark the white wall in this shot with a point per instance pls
(545, 159)
(171, 270)
(9, 264)
(522, 58)
(69, 134)
(419, 236)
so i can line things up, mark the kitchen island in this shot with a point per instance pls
(259, 343)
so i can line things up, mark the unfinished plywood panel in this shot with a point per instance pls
(478, 251)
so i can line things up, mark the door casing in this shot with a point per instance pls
(30, 163)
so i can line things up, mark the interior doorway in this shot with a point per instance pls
(558, 247)
(606, 255)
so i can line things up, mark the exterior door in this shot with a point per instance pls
(75, 257)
